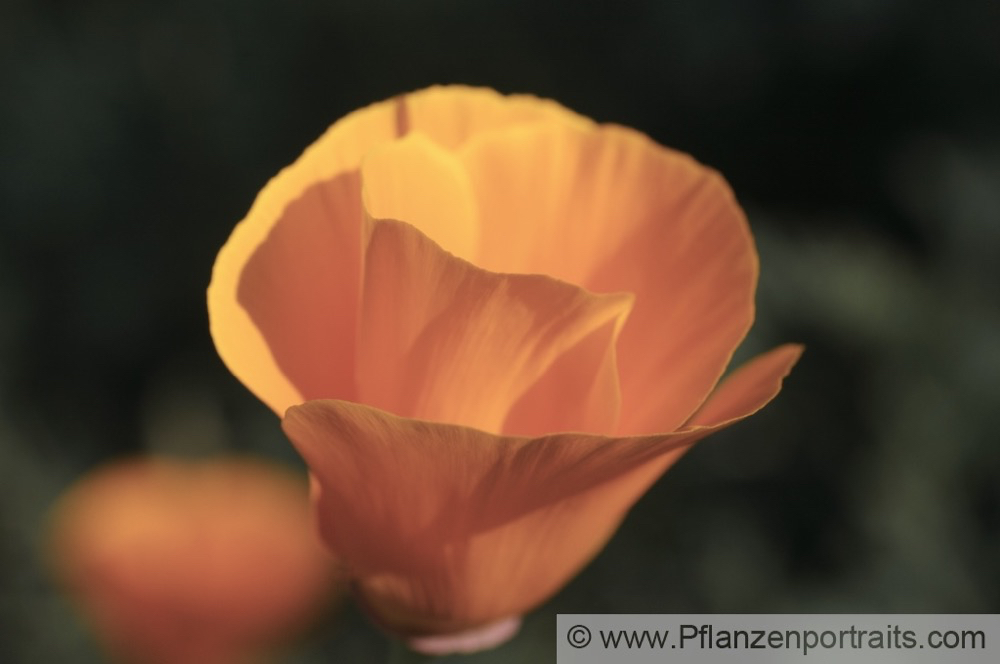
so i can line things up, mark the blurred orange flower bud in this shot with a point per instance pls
(174, 562)
(489, 324)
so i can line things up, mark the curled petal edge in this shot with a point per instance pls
(424, 513)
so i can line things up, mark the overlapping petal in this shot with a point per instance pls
(443, 340)
(446, 527)
(283, 294)
(608, 209)
(414, 180)
(300, 237)
(289, 327)
(453, 115)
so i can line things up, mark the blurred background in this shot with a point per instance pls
(862, 137)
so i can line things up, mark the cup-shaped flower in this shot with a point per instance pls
(175, 562)
(489, 324)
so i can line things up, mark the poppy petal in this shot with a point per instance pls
(298, 291)
(452, 115)
(446, 527)
(441, 339)
(284, 286)
(608, 209)
(415, 181)
(749, 387)
(301, 236)
(578, 392)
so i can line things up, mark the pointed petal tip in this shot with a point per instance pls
(786, 355)
(747, 389)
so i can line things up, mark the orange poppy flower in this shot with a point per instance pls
(175, 562)
(489, 325)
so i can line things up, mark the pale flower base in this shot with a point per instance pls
(474, 640)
